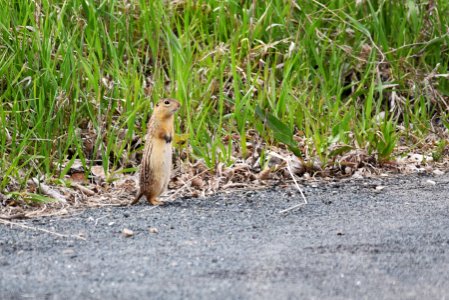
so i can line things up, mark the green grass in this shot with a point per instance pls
(77, 77)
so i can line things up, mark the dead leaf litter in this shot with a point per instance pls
(277, 167)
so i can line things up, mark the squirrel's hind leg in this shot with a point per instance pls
(155, 201)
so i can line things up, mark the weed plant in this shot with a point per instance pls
(78, 78)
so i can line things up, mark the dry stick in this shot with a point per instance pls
(83, 189)
(45, 189)
(171, 197)
(299, 189)
(15, 216)
(41, 229)
(97, 219)
(296, 184)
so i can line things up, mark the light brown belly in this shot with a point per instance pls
(161, 163)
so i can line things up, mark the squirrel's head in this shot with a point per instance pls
(167, 107)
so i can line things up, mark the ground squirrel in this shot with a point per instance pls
(157, 154)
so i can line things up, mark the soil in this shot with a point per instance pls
(385, 238)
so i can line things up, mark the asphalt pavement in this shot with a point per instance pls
(384, 238)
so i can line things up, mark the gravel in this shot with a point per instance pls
(368, 239)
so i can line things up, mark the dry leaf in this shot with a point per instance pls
(98, 171)
(197, 182)
(78, 177)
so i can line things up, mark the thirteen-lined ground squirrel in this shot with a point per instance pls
(157, 154)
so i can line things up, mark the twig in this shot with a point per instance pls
(46, 190)
(123, 204)
(296, 184)
(41, 229)
(83, 189)
(302, 194)
(15, 216)
(234, 185)
(97, 219)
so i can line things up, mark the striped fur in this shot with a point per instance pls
(156, 162)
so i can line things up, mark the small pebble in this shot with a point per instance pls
(153, 230)
(430, 182)
(68, 252)
(127, 232)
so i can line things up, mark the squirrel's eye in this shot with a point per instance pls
(166, 102)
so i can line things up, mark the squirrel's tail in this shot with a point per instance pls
(139, 195)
